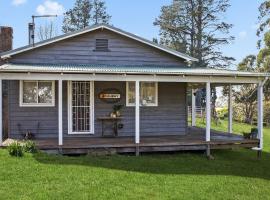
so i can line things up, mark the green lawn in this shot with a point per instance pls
(234, 174)
(238, 128)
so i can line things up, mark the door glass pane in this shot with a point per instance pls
(30, 92)
(45, 92)
(80, 106)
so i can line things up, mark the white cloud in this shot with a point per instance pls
(50, 8)
(242, 34)
(18, 2)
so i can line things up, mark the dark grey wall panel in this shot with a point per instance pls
(80, 50)
(28, 118)
(169, 118)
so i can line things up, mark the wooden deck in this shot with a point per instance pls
(194, 140)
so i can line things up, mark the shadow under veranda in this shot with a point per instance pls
(243, 163)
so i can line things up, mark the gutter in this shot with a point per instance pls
(149, 73)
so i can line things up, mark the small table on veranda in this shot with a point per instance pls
(113, 120)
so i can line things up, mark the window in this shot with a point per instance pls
(148, 94)
(37, 93)
(102, 45)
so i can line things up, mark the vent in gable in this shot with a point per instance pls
(102, 45)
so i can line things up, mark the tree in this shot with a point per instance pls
(264, 19)
(46, 31)
(99, 13)
(245, 96)
(195, 27)
(155, 40)
(85, 13)
(263, 57)
(263, 62)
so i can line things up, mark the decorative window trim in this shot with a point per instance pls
(147, 105)
(22, 104)
(92, 110)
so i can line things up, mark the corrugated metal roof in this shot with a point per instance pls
(92, 68)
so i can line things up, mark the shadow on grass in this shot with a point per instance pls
(243, 163)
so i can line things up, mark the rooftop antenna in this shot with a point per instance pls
(31, 27)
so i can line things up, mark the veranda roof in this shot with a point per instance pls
(121, 69)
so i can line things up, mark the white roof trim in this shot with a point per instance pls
(93, 28)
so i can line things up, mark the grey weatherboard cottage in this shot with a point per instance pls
(63, 90)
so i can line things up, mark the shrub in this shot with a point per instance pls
(15, 149)
(246, 135)
(254, 133)
(254, 130)
(266, 112)
(30, 147)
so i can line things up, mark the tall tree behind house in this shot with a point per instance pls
(263, 57)
(85, 13)
(246, 95)
(264, 19)
(263, 62)
(196, 27)
(47, 31)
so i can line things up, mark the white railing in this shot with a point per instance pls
(199, 111)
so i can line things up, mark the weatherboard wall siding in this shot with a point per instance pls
(168, 118)
(81, 50)
(42, 121)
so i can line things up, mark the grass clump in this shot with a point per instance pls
(30, 147)
(15, 149)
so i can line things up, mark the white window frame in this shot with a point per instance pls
(92, 110)
(146, 105)
(22, 104)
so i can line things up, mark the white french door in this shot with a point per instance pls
(81, 107)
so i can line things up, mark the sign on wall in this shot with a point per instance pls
(110, 95)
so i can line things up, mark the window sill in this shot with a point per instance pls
(150, 105)
(80, 133)
(37, 105)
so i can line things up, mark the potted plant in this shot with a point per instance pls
(117, 109)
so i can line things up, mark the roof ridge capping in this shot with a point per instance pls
(93, 28)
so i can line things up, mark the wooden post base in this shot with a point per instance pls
(208, 153)
(137, 150)
(259, 154)
(60, 150)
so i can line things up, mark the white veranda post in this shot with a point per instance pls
(208, 111)
(260, 114)
(230, 110)
(137, 112)
(60, 112)
(193, 107)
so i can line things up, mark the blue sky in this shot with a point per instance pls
(136, 16)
